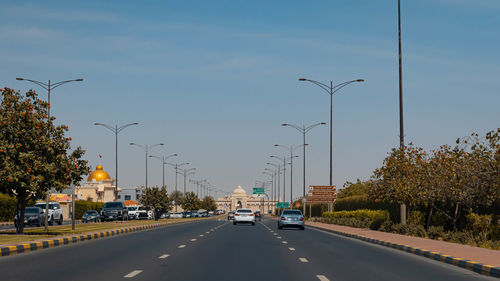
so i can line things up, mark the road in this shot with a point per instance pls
(218, 250)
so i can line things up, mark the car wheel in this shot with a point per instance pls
(253, 223)
(234, 223)
(280, 227)
(302, 228)
(60, 220)
(51, 222)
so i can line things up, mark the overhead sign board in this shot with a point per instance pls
(258, 190)
(281, 205)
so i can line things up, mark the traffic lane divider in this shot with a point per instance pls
(54, 242)
(480, 268)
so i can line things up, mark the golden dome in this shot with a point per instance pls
(99, 174)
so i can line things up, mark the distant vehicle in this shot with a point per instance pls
(258, 215)
(165, 215)
(55, 212)
(177, 215)
(132, 212)
(91, 215)
(186, 214)
(211, 213)
(291, 218)
(230, 215)
(114, 211)
(32, 216)
(244, 216)
(195, 214)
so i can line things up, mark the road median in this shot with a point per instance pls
(11, 244)
(479, 260)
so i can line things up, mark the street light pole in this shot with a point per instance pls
(291, 149)
(163, 160)
(48, 86)
(401, 127)
(331, 90)
(277, 189)
(115, 131)
(146, 149)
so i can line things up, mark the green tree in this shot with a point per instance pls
(34, 153)
(190, 202)
(177, 197)
(157, 199)
(352, 189)
(208, 203)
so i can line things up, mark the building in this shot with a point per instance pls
(125, 194)
(99, 187)
(240, 199)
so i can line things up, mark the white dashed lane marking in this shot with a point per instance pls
(194, 239)
(279, 237)
(207, 232)
(201, 235)
(292, 249)
(284, 242)
(303, 260)
(182, 246)
(163, 256)
(322, 278)
(132, 274)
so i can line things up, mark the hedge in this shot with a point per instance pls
(358, 202)
(7, 207)
(82, 206)
(372, 215)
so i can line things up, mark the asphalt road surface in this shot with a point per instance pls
(218, 250)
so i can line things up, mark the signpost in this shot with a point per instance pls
(258, 191)
(321, 194)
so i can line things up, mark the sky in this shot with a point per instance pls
(214, 80)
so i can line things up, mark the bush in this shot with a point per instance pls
(416, 218)
(358, 202)
(435, 232)
(82, 206)
(359, 214)
(7, 207)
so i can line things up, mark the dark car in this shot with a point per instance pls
(230, 215)
(258, 215)
(91, 216)
(114, 211)
(32, 216)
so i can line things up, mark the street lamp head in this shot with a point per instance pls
(276, 145)
(360, 80)
(323, 123)
(160, 144)
(19, 78)
(135, 123)
(79, 79)
(302, 79)
(284, 124)
(132, 143)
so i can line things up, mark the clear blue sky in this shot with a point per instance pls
(214, 80)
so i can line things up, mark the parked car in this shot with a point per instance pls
(32, 216)
(195, 214)
(186, 214)
(244, 216)
(230, 215)
(165, 215)
(91, 215)
(291, 218)
(55, 212)
(132, 212)
(210, 213)
(114, 211)
(177, 215)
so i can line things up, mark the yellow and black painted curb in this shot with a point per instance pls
(467, 264)
(50, 243)
(6, 223)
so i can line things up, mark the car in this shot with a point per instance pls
(230, 215)
(32, 216)
(91, 215)
(211, 213)
(165, 215)
(176, 215)
(258, 215)
(132, 212)
(195, 214)
(186, 214)
(55, 212)
(244, 216)
(114, 211)
(291, 218)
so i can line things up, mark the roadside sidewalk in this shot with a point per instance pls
(480, 260)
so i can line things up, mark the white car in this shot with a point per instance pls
(177, 215)
(55, 212)
(244, 216)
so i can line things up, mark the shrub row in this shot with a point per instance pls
(7, 207)
(358, 218)
(357, 202)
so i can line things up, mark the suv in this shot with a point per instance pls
(132, 212)
(230, 216)
(114, 211)
(244, 215)
(55, 212)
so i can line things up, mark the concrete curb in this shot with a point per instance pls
(50, 243)
(467, 264)
(6, 223)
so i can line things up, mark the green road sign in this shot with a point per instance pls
(279, 205)
(282, 205)
(287, 205)
(258, 190)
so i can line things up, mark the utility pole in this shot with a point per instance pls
(401, 128)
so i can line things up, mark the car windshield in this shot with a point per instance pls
(132, 208)
(32, 210)
(244, 211)
(90, 212)
(292, 212)
(113, 205)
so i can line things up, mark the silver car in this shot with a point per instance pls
(291, 218)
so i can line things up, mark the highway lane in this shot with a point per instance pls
(218, 250)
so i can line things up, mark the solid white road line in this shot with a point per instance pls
(292, 249)
(182, 246)
(163, 256)
(132, 274)
(303, 260)
(322, 278)
(194, 239)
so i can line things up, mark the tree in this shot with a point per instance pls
(34, 153)
(157, 199)
(352, 189)
(177, 198)
(208, 203)
(190, 202)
